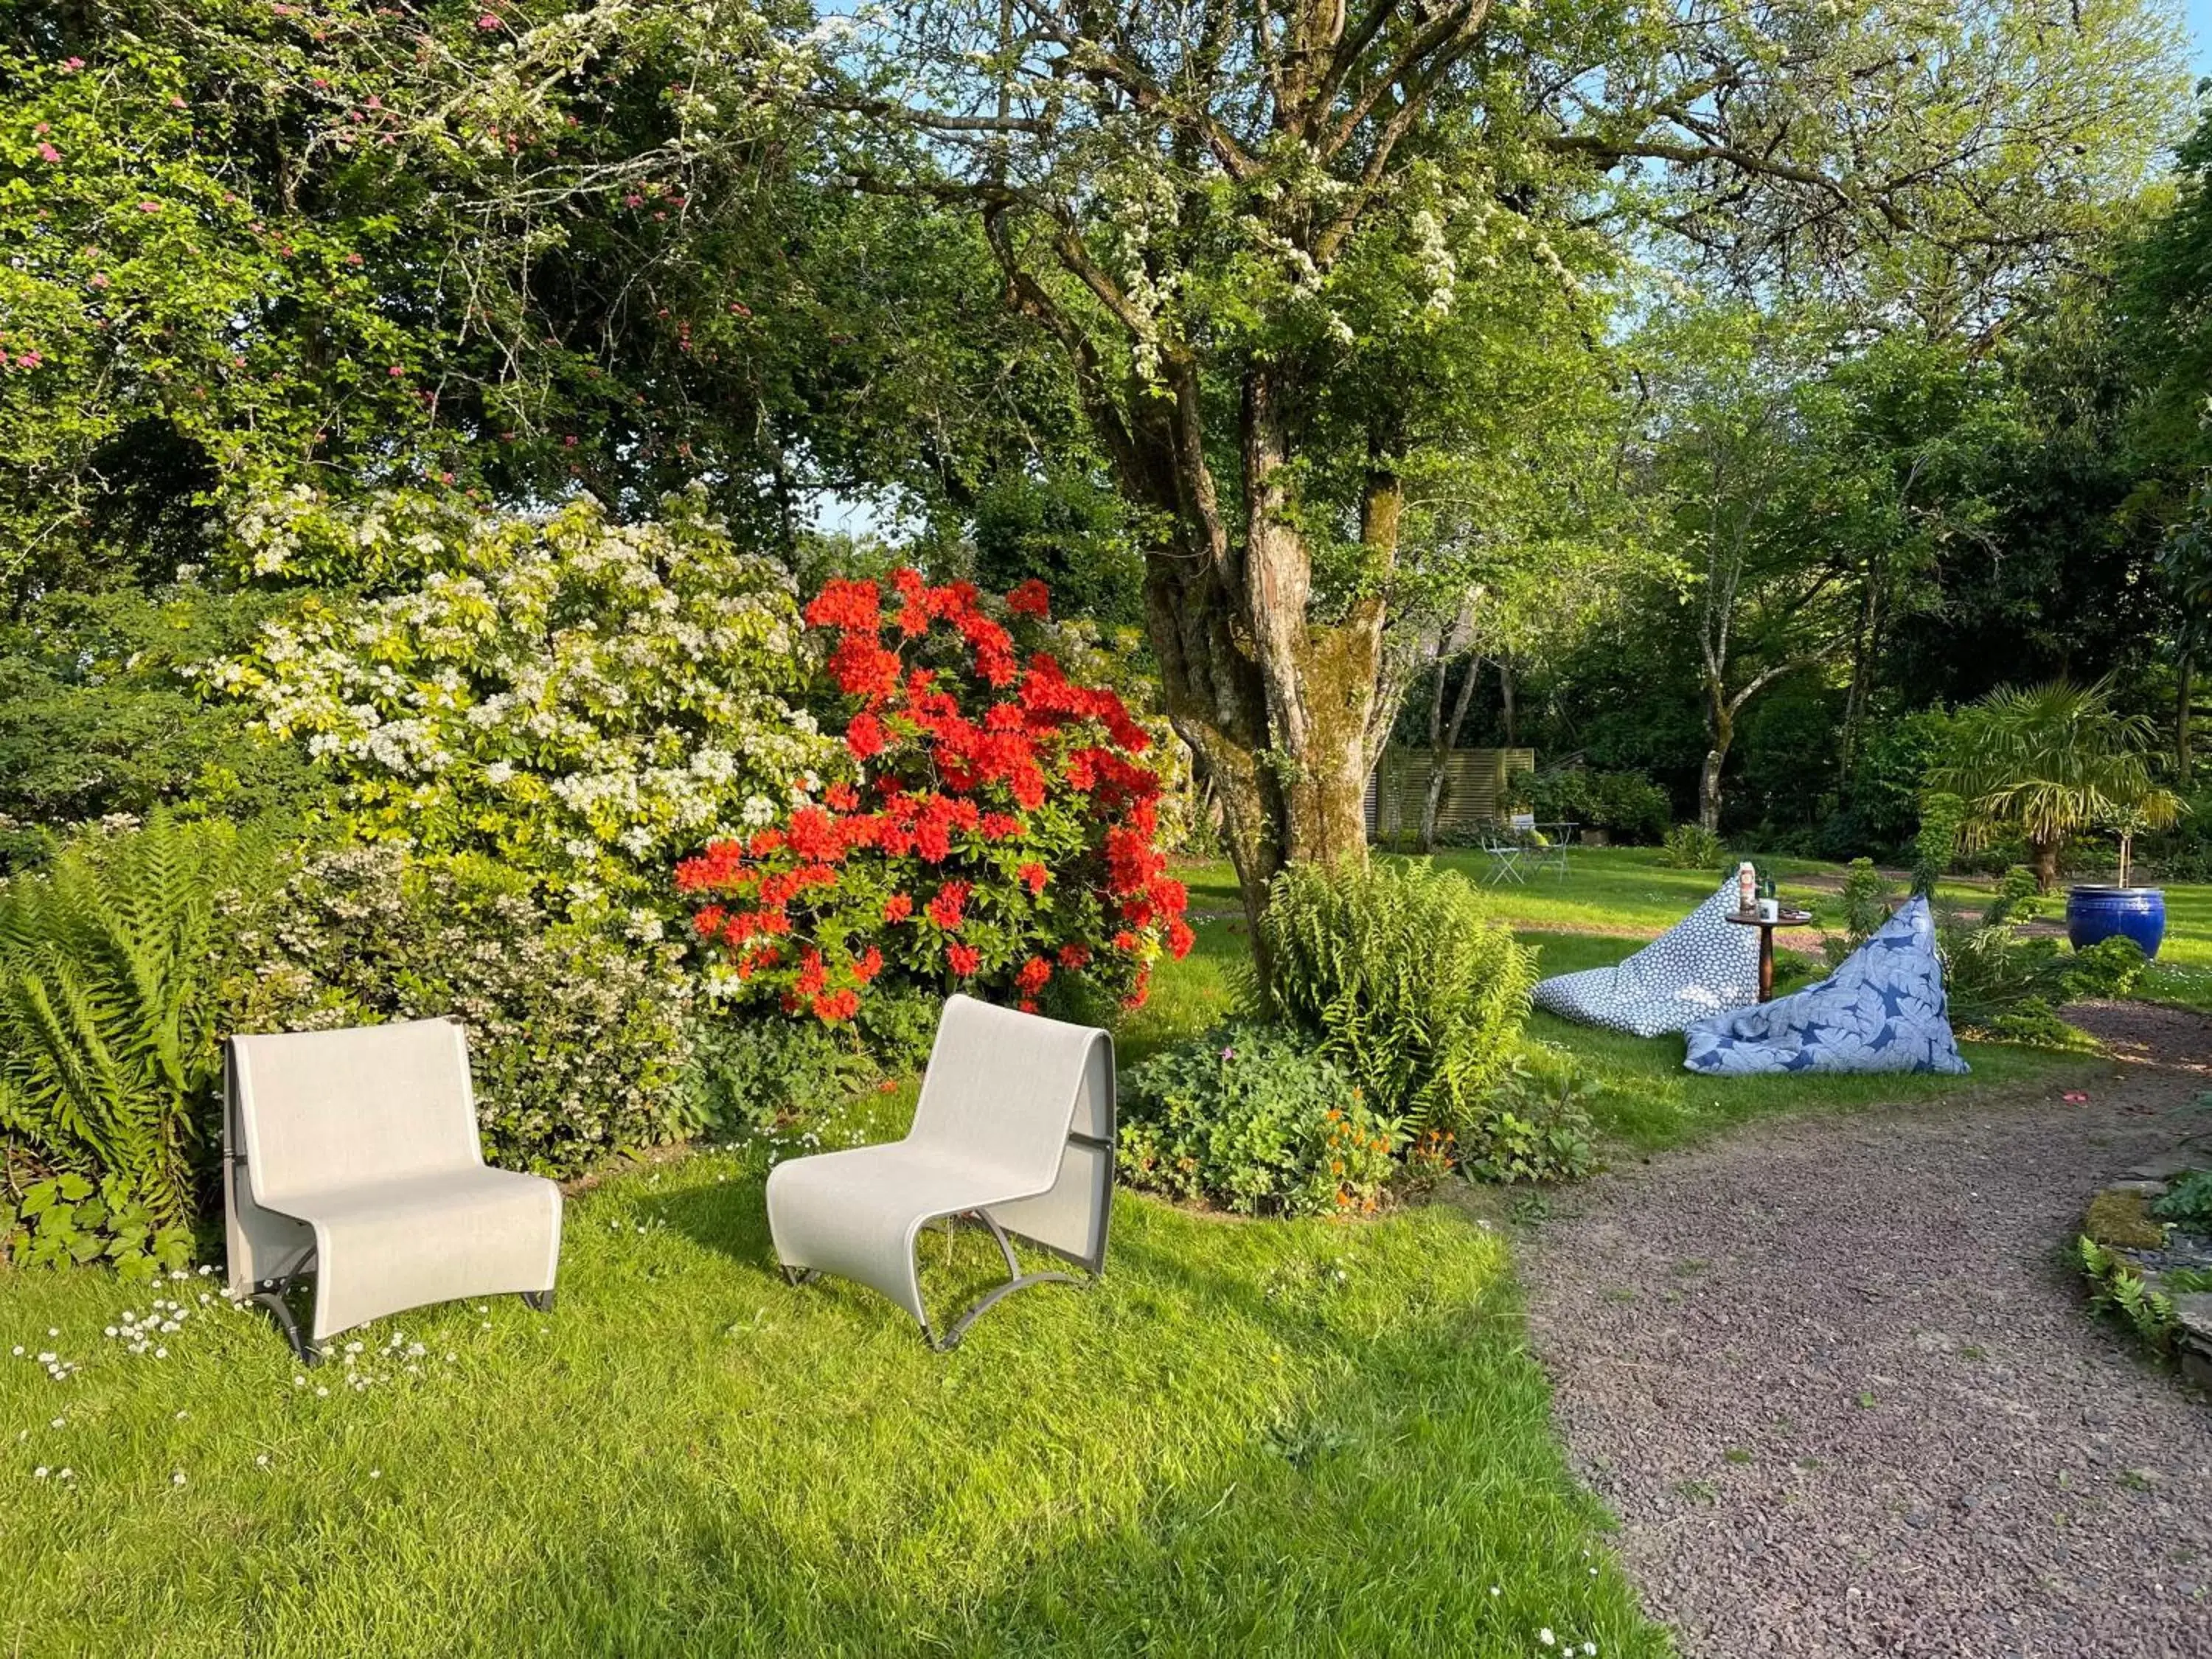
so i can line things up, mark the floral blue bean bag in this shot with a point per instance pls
(1882, 1010)
(1701, 966)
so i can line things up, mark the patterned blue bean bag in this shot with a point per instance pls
(1699, 967)
(1882, 1010)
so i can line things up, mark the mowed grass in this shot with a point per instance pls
(2183, 972)
(1257, 1438)
(1251, 1437)
(1610, 900)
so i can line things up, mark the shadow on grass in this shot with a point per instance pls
(1284, 1438)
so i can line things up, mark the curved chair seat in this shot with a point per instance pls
(1015, 1127)
(352, 1156)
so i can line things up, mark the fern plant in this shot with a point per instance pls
(1401, 976)
(108, 1062)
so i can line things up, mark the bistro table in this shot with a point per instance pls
(1782, 919)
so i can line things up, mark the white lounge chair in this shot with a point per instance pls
(1015, 1128)
(353, 1156)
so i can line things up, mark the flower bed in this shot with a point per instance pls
(996, 830)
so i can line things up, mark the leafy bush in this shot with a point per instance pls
(1533, 1123)
(109, 1067)
(1866, 899)
(2188, 1202)
(578, 1040)
(751, 1073)
(1403, 976)
(576, 698)
(1937, 844)
(1001, 834)
(1692, 847)
(1248, 1117)
(98, 719)
(1627, 805)
(1997, 978)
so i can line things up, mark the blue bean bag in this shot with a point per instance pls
(1882, 1010)
(1701, 966)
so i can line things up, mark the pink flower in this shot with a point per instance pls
(72, 66)
(149, 207)
(487, 21)
(48, 153)
(395, 371)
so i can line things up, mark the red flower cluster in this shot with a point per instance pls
(996, 800)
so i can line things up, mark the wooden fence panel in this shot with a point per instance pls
(1474, 781)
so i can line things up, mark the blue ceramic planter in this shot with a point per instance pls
(2098, 913)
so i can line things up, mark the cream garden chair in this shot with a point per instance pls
(1015, 1128)
(352, 1155)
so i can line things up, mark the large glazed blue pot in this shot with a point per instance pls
(2098, 912)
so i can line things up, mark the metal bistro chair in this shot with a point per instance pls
(1539, 851)
(1506, 852)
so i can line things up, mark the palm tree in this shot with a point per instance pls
(2052, 761)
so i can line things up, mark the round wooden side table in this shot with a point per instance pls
(1782, 919)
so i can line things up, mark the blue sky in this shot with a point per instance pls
(2199, 13)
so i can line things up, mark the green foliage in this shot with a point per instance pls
(100, 716)
(2117, 1285)
(109, 1067)
(2188, 1202)
(1534, 1123)
(1404, 978)
(1249, 1117)
(580, 699)
(1866, 898)
(755, 1071)
(1692, 847)
(578, 1039)
(2001, 979)
(1935, 843)
(1627, 805)
(2052, 762)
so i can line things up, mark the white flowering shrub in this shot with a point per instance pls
(582, 699)
(578, 1040)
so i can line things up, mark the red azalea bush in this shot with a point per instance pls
(998, 834)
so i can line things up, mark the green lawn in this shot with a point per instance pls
(1305, 1438)
(1282, 1437)
(1647, 1100)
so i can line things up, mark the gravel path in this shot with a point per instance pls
(1846, 1399)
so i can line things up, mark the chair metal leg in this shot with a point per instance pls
(541, 1300)
(271, 1301)
(1016, 1280)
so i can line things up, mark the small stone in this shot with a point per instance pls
(2193, 1313)
(2166, 1167)
(2198, 1368)
(2141, 1189)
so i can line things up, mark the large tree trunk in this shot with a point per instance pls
(2043, 859)
(1719, 730)
(1279, 707)
(2185, 694)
